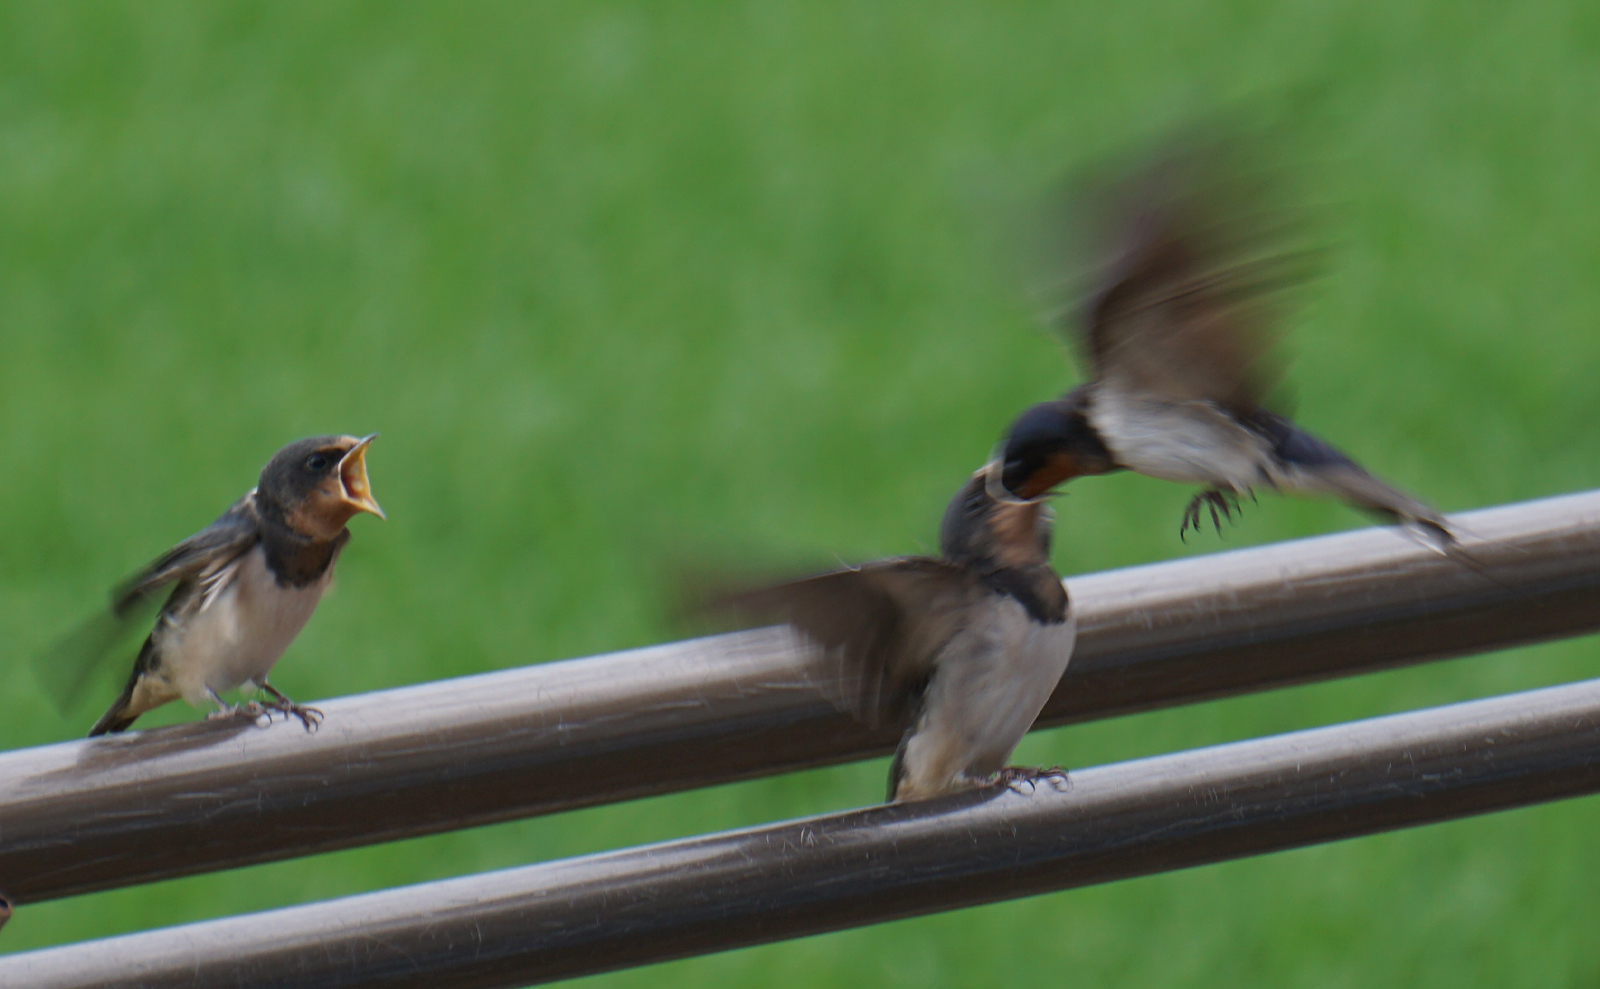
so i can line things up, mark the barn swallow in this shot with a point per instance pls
(967, 647)
(244, 586)
(1176, 327)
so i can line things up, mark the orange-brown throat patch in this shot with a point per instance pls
(323, 514)
(1015, 527)
(1061, 466)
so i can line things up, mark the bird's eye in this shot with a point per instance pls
(317, 463)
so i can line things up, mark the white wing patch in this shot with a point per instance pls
(215, 579)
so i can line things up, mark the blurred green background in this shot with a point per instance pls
(619, 281)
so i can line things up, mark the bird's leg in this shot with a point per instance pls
(1231, 505)
(309, 716)
(225, 710)
(1191, 517)
(1014, 776)
(1221, 505)
(1228, 501)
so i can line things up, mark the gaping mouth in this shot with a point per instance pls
(353, 478)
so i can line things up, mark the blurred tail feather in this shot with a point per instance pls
(116, 717)
(1366, 492)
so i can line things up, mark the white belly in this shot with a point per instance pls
(237, 636)
(991, 682)
(1187, 442)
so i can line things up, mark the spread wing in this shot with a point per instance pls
(879, 627)
(1183, 271)
(69, 663)
(207, 551)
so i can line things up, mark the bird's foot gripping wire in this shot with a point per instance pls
(1218, 501)
(224, 712)
(309, 716)
(1015, 777)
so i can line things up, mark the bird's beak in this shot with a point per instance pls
(1057, 469)
(353, 478)
(993, 472)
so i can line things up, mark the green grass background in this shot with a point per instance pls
(619, 281)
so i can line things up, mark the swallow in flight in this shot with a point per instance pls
(1175, 326)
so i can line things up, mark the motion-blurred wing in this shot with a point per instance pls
(207, 551)
(879, 627)
(71, 662)
(67, 666)
(1183, 273)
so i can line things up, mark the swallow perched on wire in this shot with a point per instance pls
(1176, 326)
(967, 647)
(241, 588)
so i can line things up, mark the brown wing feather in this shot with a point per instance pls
(1184, 277)
(68, 664)
(235, 531)
(878, 627)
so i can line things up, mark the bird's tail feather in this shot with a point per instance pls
(116, 717)
(1350, 483)
(1312, 464)
(122, 714)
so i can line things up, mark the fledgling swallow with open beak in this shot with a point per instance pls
(244, 586)
(1176, 328)
(966, 647)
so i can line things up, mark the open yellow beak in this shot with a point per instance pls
(353, 477)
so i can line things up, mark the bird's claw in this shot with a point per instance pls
(1015, 776)
(309, 716)
(1220, 504)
